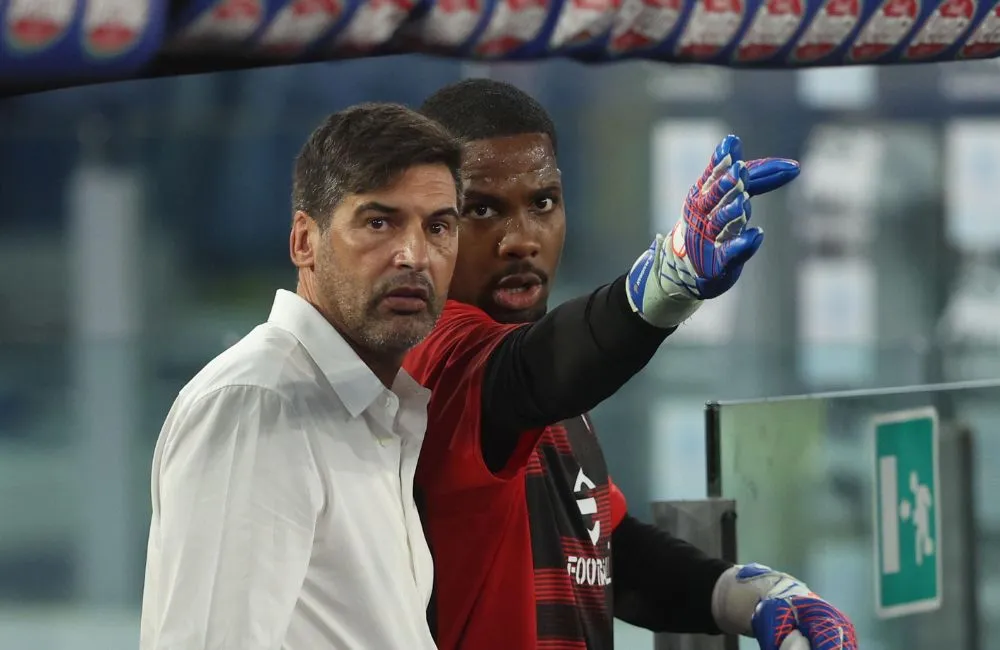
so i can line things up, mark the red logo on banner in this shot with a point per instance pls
(582, 21)
(828, 30)
(942, 29)
(643, 24)
(513, 23)
(299, 25)
(985, 41)
(886, 29)
(32, 26)
(711, 27)
(772, 28)
(111, 27)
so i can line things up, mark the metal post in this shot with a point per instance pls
(709, 524)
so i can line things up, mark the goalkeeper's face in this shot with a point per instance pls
(512, 227)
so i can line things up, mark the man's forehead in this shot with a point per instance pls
(523, 157)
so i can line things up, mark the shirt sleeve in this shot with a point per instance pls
(452, 363)
(238, 495)
(662, 583)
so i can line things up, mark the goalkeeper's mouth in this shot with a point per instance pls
(518, 292)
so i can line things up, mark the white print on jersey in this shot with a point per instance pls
(589, 571)
(588, 505)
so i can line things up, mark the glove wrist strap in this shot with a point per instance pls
(667, 312)
(733, 603)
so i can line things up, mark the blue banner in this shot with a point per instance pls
(61, 42)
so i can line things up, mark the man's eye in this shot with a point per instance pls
(376, 224)
(545, 205)
(480, 212)
(439, 228)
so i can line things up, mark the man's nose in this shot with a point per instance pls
(412, 252)
(520, 240)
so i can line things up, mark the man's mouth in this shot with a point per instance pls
(518, 292)
(407, 300)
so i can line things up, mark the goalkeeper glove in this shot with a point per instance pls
(779, 611)
(704, 254)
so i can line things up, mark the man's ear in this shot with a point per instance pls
(302, 240)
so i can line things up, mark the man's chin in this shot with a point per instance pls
(512, 317)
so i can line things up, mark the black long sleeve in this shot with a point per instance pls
(662, 583)
(565, 364)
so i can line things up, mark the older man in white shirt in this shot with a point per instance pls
(282, 482)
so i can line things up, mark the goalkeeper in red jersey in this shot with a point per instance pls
(533, 545)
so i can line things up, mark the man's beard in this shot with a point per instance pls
(372, 327)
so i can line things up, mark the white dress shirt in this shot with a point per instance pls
(283, 513)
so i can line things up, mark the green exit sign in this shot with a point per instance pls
(907, 513)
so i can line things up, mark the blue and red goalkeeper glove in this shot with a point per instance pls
(704, 254)
(779, 611)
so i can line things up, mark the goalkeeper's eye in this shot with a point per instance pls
(480, 212)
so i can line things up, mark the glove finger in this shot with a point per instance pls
(795, 641)
(824, 625)
(768, 174)
(731, 184)
(773, 621)
(731, 218)
(738, 250)
(726, 152)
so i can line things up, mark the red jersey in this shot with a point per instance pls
(522, 557)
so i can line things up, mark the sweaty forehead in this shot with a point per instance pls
(510, 160)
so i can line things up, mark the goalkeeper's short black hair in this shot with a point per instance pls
(480, 109)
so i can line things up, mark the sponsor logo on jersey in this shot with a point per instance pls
(589, 571)
(583, 21)
(299, 25)
(33, 25)
(513, 23)
(643, 24)
(985, 40)
(225, 23)
(828, 30)
(943, 28)
(772, 28)
(112, 27)
(891, 23)
(711, 27)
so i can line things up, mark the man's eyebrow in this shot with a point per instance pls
(480, 195)
(555, 186)
(449, 211)
(375, 206)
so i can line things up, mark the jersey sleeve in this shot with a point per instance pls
(451, 362)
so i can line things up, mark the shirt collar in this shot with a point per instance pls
(351, 378)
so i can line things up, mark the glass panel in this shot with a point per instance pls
(802, 471)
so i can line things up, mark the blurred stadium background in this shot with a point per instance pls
(143, 229)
